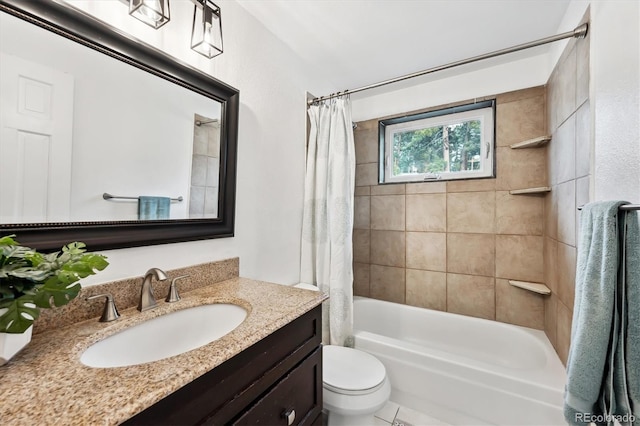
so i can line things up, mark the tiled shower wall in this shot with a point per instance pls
(453, 246)
(205, 168)
(568, 115)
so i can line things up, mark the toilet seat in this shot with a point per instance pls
(348, 371)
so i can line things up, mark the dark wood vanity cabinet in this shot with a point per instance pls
(276, 381)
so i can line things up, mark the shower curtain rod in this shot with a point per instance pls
(578, 32)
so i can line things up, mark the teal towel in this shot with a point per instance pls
(632, 287)
(594, 383)
(164, 206)
(147, 208)
(153, 208)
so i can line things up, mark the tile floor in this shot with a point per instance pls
(395, 415)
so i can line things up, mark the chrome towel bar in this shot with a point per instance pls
(108, 196)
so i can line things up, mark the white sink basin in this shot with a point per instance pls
(165, 336)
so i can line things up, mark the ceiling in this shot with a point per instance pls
(359, 42)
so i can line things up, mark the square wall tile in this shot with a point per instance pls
(564, 141)
(471, 185)
(388, 248)
(551, 213)
(520, 120)
(213, 142)
(387, 283)
(471, 295)
(196, 201)
(553, 162)
(551, 318)
(367, 174)
(199, 170)
(582, 67)
(362, 191)
(388, 212)
(388, 189)
(564, 99)
(213, 171)
(520, 168)
(361, 245)
(366, 142)
(550, 254)
(519, 257)
(427, 212)
(583, 140)
(361, 279)
(517, 95)
(472, 254)
(553, 94)
(518, 306)
(368, 124)
(518, 214)
(426, 187)
(362, 212)
(471, 212)
(199, 140)
(211, 201)
(582, 198)
(566, 274)
(563, 336)
(426, 289)
(566, 193)
(427, 251)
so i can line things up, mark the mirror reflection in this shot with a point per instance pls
(76, 124)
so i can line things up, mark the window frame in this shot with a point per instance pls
(442, 116)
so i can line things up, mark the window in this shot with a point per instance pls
(451, 143)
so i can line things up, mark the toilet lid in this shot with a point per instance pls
(347, 370)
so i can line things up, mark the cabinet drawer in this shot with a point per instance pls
(299, 392)
(219, 395)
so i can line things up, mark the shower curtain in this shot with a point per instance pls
(327, 226)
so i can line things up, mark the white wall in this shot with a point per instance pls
(615, 94)
(272, 83)
(474, 81)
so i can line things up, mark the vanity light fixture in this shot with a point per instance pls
(154, 13)
(206, 33)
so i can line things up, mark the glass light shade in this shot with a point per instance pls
(154, 13)
(206, 33)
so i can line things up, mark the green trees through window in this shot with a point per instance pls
(450, 143)
(447, 148)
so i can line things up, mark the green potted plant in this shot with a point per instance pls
(30, 281)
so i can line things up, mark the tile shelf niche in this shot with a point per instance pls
(534, 287)
(531, 191)
(532, 143)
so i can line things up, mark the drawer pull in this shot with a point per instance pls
(290, 415)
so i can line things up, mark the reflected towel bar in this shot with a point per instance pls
(108, 196)
(624, 207)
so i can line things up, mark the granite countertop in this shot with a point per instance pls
(47, 384)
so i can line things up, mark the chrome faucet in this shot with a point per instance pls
(147, 301)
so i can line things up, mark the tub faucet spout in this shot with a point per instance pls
(147, 301)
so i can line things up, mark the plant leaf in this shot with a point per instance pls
(54, 293)
(18, 316)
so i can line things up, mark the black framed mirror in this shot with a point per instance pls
(218, 105)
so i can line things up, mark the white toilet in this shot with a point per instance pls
(355, 384)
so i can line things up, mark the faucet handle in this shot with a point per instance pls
(173, 295)
(110, 312)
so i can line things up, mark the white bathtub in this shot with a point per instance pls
(463, 370)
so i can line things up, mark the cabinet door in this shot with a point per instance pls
(295, 400)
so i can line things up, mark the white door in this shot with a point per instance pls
(36, 126)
